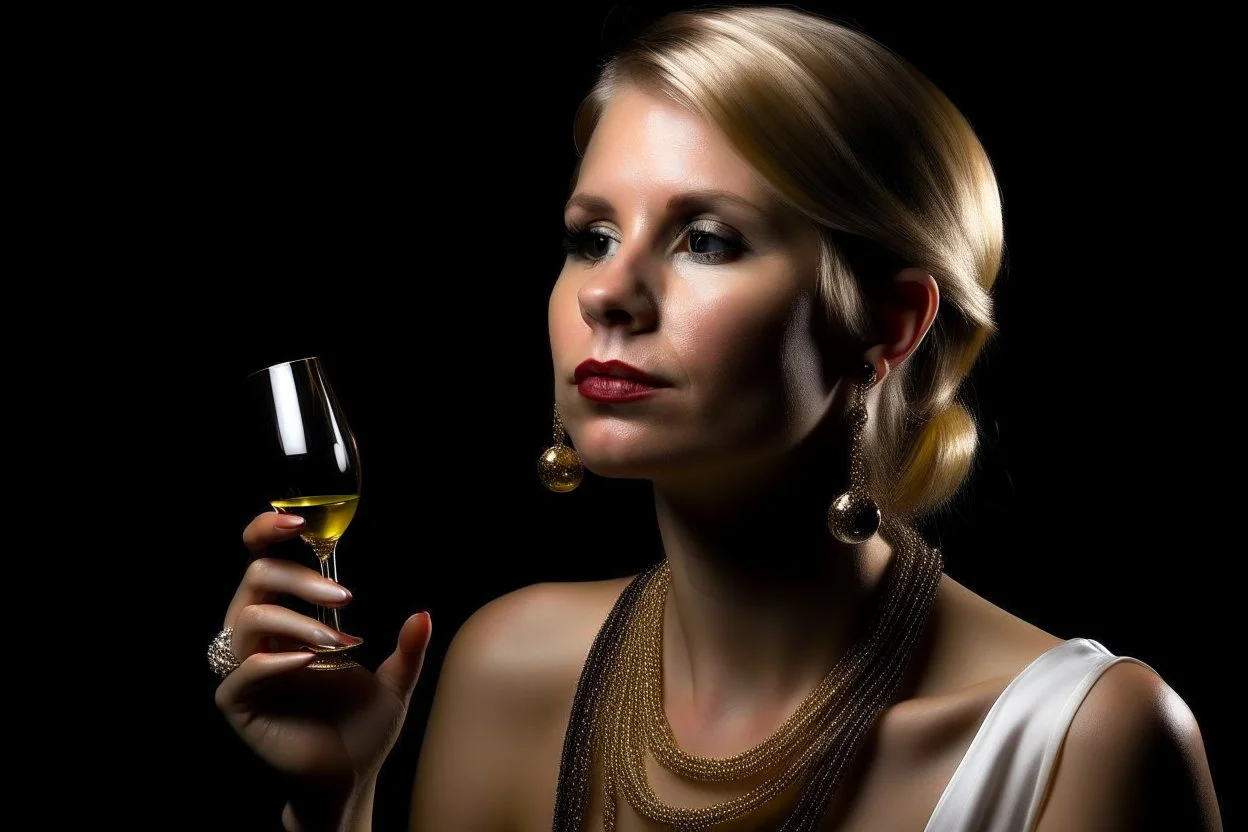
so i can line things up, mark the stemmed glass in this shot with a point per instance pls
(309, 465)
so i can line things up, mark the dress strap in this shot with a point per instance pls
(1004, 775)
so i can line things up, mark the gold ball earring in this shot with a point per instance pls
(559, 468)
(853, 516)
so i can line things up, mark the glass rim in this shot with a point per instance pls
(312, 358)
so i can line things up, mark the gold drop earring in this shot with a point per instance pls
(559, 468)
(853, 516)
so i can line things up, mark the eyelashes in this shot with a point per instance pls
(708, 243)
(578, 240)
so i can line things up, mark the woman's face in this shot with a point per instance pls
(683, 265)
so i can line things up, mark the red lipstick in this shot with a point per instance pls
(614, 381)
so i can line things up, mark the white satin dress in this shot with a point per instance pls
(1002, 778)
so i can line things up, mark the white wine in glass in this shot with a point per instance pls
(327, 516)
(310, 466)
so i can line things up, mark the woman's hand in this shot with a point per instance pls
(326, 731)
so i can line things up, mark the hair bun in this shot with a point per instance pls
(939, 461)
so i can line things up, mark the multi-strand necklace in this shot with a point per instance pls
(618, 709)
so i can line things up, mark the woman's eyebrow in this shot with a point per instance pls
(590, 204)
(697, 199)
(687, 200)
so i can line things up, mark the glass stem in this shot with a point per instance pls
(325, 550)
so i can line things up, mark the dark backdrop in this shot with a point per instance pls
(386, 193)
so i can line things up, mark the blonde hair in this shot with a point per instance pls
(890, 173)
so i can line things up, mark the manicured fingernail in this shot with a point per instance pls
(289, 521)
(328, 639)
(334, 592)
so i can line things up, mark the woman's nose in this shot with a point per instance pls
(620, 293)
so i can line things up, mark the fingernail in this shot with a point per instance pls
(328, 639)
(290, 521)
(339, 593)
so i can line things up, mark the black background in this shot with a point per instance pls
(385, 192)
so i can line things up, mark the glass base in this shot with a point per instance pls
(332, 658)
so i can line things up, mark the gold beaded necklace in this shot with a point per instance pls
(618, 710)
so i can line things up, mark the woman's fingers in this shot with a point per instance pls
(270, 528)
(266, 578)
(256, 623)
(254, 672)
(401, 670)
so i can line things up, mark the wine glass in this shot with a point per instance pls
(309, 465)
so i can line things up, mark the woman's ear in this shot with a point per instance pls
(903, 312)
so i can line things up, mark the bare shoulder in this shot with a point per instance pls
(1133, 758)
(530, 644)
(977, 644)
(506, 684)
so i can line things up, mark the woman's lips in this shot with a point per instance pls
(613, 389)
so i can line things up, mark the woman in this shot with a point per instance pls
(781, 240)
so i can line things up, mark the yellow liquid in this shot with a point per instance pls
(327, 517)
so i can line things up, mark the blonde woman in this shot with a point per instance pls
(781, 241)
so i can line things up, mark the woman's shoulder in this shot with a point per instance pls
(504, 692)
(530, 644)
(1133, 757)
(974, 643)
(1132, 754)
(1131, 742)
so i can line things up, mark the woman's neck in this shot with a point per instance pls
(763, 599)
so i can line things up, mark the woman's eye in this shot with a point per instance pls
(702, 242)
(595, 244)
(589, 244)
(712, 248)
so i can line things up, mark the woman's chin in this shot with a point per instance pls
(645, 452)
(640, 463)
(616, 467)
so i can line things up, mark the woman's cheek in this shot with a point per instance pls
(733, 331)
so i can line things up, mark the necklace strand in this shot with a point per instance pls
(618, 710)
